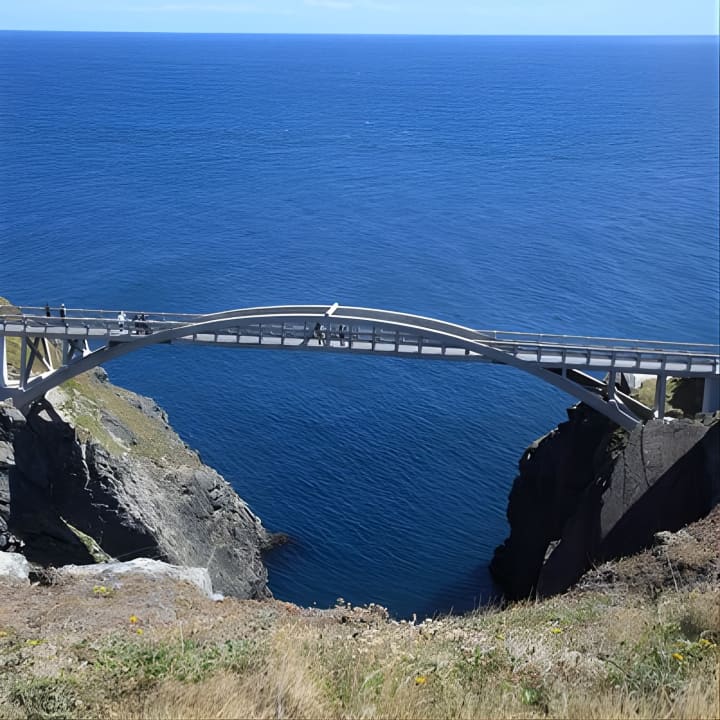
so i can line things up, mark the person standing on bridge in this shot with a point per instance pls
(47, 310)
(121, 320)
(318, 333)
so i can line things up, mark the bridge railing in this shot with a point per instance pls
(108, 315)
(502, 337)
(373, 332)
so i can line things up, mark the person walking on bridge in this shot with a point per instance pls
(318, 333)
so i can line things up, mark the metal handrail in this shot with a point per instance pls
(375, 331)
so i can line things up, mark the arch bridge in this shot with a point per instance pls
(54, 349)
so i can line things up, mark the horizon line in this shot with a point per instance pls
(371, 34)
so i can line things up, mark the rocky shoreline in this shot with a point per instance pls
(97, 471)
(589, 492)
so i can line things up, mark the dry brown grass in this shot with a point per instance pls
(566, 658)
(68, 650)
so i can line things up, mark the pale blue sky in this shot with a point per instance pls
(475, 17)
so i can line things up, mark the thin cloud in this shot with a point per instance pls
(330, 4)
(382, 6)
(353, 5)
(227, 8)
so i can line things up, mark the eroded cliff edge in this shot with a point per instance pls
(589, 492)
(98, 469)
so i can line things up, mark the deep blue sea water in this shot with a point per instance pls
(563, 185)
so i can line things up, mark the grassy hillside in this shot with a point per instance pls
(152, 648)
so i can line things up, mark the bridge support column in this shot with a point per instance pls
(4, 379)
(660, 396)
(711, 394)
(612, 377)
(24, 370)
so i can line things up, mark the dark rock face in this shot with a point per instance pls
(182, 513)
(588, 492)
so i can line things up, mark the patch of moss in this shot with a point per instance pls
(683, 396)
(89, 399)
(96, 552)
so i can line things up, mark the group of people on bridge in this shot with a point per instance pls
(320, 333)
(61, 310)
(140, 323)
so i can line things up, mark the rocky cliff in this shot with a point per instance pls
(98, 470)
(588, 492)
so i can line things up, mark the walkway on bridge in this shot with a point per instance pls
(88, 338)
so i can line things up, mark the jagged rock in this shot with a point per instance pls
(61, 479)
(596, 493)
(555, 473)
(110, 573)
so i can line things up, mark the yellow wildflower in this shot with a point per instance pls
(139, 631)
(133, 619)
(33, 643)
(678, 656)
(704, 642)
(420, 680)
(3, 633)
(556, 630)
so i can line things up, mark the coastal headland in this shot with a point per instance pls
(96, 474)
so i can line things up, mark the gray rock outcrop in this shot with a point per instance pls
(100, 466)
(14, 568)
(111, 574)
(589, 492)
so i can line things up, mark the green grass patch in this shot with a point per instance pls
(142, 663)
(683, 396)
(89, 399)
(96, 552)
(46, 698)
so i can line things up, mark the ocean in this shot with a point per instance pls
(561, 185)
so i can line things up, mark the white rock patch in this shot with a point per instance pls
(107, 571)
(14, 568)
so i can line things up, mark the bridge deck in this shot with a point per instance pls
(92, 337)
(386, 338)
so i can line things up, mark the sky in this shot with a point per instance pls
(433, 17)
